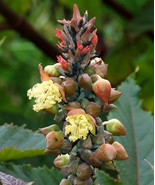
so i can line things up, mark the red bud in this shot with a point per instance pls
(102, 89)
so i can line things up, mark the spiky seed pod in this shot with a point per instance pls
(93, 109)
(84, 171)
(54, 140)
(49, 129)
(121, 152)
(102, 89)
(114, 95)
(61, 160)
(106, 152)
(85, 81)
(65, 182)
(115, 127)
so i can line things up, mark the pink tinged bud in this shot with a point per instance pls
(69, 86)
(76, 111)
(121, 152)
(54, 140)
(49, 129)
(55, 152)
(79, 181)
(74, 104)
(76, 13)
(94, 160)
(102, 89)
(61, 160)
(72, 167)
(56, 80)
(114, 95)
(52, 70)
(43, 75)
(115, 127)
(93, 109)
(65, 182)
(87, 143)
(84, 171)
(85, 81)
(106, 152)
(71, 178)
(109, 107)
(65, 171)
(85, 154)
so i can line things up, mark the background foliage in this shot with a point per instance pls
(125, 41)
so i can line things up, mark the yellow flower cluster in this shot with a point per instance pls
(79, 126)
(46, 95)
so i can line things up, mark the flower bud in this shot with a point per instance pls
(53, 110)
(98, 139)
(52, 70)
(121, 152)
(66, 147)
(83, 103)
(43, 75)
(61, 160)
(87, 144)
(84, 171)
(94, 160)
(71, 178)
(72, 167)
(85, 154)
(65, 171)
(85, 81)
(65, 182)
(106, 152)
(74, 104)
(109, 165)
(56, 80)
(79, 181)
(115, 127)
(60, 116)
(114, 95)
(69, 86)
(55, 152)
(54, 140)
(49, 129)
(93, 109)
(102, 89)
(109, 107)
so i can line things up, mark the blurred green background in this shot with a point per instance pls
(125, 30)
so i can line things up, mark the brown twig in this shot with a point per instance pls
(19, 24)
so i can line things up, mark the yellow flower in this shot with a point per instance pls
(46, 95)
(79, 127)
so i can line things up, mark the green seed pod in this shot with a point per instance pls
(61, 160)
(106, 152)
(85, 81)
(65, 182)
(93, 109)
(49, 129)
(121, 152)
(84, 171)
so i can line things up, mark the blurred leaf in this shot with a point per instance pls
(42, 176)
(2, 41)
(139, 139)
(144, 21)
(105, 179)
(8, 179)
(18, 142)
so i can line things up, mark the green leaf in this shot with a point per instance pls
(105, 179)
(28, 173)
(139, 139)
(18, 142)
